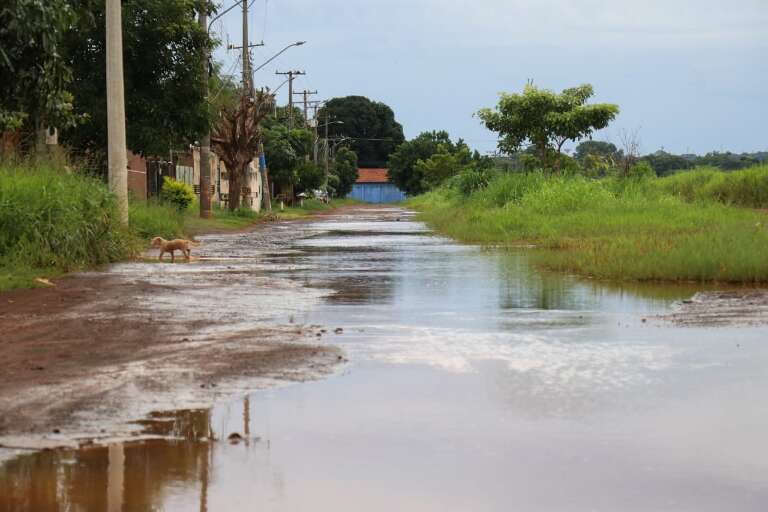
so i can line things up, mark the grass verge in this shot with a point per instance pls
(609, 229)
(54, 221)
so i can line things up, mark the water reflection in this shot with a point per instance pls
(119, 477)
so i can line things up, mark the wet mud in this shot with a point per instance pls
(84, 358)
(734, 308)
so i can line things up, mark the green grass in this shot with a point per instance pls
(610, 229)
(54, 221)
(746, 187)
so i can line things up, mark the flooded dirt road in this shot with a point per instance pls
(474, 383)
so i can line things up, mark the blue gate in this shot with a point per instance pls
(376, 193)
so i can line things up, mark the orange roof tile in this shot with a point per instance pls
(368, 175)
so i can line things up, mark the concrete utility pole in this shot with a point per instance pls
(205, 140)
(291, 75)
(247, 81)
(246, 51)
(306, 93)
(117, 154)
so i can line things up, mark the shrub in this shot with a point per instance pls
(471, 180)
(177, 193)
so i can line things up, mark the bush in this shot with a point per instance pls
(177, 193)
(471, 180)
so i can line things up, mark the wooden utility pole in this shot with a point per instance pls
(205, 140)
(117, 155)
(291, 75)
(306, 93)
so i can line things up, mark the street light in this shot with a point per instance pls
(297, 43)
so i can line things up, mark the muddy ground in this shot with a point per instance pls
(733, 308)
(87, 357)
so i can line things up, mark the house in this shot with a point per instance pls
(145, 177)
(373, 186)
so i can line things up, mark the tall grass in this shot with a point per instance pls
(49, 217)
(611, 228)
(747, 187)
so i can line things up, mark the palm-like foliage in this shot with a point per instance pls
(236, 137)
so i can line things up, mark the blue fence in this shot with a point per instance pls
(376, 193)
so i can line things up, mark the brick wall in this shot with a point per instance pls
(137, 176)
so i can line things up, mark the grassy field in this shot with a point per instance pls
(53, 222)
(612, 228)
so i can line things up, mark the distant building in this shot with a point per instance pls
(373, 186)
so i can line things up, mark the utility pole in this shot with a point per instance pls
(291, 75)
(306, 93)
(247, 81)
(116, 150)
(205, 140)
(327, 147)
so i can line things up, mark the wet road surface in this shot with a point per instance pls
(474, 383)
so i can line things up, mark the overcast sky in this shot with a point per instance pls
(690, 75)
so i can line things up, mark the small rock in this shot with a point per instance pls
(323, 331)
(234, 438)
(338, 330)
(56, 431)
(643, 320)
(184, 339)
(339, 358)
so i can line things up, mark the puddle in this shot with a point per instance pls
(475, 383)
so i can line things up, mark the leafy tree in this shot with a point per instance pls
(546, 119)
(371, 124)
(309, 176)
(442, 165)
(345, 171)
(664, 163)
(165, 98)
(35, 88)
(402, 170)
(729, 161)
(285, 150)
(597, 148)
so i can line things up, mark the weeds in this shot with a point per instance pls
(611, 228)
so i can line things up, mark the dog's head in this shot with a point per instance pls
(157, 241)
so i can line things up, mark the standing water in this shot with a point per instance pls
(475, 383)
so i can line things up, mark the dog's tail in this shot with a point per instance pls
(195, 243)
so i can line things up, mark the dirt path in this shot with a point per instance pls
(85, 358)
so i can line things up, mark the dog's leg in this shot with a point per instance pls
(188, 254)
(161, 255)
(173, 255)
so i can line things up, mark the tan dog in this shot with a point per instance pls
(171, 246)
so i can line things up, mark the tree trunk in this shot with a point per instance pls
(235, 187)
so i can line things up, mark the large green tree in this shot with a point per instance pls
(546, 119)
(35, 80)
(370, 124)
(403, 171)
(164, 95)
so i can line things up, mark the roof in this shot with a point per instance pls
(369, 175)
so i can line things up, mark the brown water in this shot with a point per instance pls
(475, 383)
